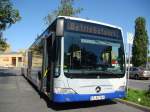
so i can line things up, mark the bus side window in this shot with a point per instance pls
(30, 58)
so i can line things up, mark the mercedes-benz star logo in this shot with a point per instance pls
(98, 89)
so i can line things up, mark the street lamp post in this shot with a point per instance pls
(129, 42)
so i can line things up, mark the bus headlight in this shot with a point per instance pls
(121, 88)
(64, 91)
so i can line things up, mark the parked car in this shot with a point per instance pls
(139, 73)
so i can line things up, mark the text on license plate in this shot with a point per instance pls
(102, 97)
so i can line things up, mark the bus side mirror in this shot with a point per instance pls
(60, 28)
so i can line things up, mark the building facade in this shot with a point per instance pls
(12, 59)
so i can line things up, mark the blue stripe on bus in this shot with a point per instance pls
(85, 97)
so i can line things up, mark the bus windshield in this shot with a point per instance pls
(90, 56)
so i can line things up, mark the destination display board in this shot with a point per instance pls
(92, 28)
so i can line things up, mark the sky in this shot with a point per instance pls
(121, 13)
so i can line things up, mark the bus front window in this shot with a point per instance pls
(91, 56)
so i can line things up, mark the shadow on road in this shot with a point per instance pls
(78, 105)
(7, 74)
(75, 105)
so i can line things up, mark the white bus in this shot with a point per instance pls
(76, 59)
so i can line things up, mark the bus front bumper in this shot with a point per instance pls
(61, 98)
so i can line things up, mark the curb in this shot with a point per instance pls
(143, 108)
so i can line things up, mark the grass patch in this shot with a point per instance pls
(138, 96)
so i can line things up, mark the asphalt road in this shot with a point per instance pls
(17, 95)
(139, 84)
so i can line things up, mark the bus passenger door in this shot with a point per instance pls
(48, 66)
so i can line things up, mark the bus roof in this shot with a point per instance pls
(89, 21)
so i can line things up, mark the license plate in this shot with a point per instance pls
(102, 97)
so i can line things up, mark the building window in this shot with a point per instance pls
(19, 59)
(14, 61)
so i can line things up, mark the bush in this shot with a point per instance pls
(139, 96)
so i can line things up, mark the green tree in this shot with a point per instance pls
(65, 8)
(140, 43)
(3, 43)
(8, 15)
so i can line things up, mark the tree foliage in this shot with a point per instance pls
(8, 15)
(65, 8)
(3, 43)
(140, 43)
